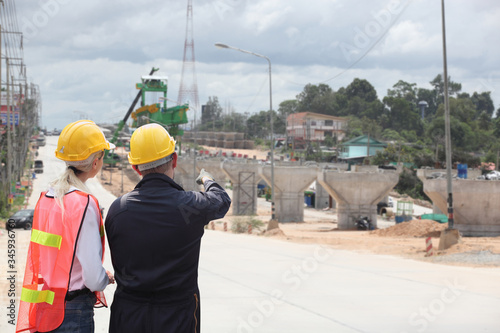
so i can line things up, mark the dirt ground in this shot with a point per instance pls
(407, 239)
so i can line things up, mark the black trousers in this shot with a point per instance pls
(139, 314)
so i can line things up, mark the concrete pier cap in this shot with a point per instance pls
(213, 166)
(357, 193)
(244, 176)
(290, 182)
(475, 203)
(184, 173)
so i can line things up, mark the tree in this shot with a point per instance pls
(496, 126)
(212, 110)
(391, 135)
(402, 115)
(484, 121)
(259, 124)
(365, 126)
(362, 89)
(483, 102)
(405, 90)
(288, 107)
(318, 99)
(431, 97)
(462, 109)
(438, 84)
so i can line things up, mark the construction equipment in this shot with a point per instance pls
(169, 118)
(158, 113)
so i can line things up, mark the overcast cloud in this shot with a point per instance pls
(87, 56)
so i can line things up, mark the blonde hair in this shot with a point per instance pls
(69, 177)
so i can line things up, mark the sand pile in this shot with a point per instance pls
(274, 232)
(413, 228)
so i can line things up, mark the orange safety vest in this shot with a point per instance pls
(50, 260)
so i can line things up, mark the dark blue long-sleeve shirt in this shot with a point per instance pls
(154, 234)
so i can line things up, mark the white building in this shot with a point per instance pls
(311, 126)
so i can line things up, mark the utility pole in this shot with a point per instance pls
(447, 124)
(15, 148)
(9, 141)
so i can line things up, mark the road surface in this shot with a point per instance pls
(256, 284)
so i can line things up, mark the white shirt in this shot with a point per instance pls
(87, 268)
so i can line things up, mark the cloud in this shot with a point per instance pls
(88, 55)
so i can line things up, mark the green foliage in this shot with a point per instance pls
(431, 97)
(396, 118)
(212, 110)
(361, 89)
(410, 136)
(259, 142)
(400, 114)
(288, 107)
(382, 157)
(318, 99)
(357, 127)
(411, 185)
(483, 103)
(405, 90)
(490, 157)
(391, 135)
(329, 141)
(240, 224)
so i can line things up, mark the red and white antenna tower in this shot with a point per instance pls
(188, 90)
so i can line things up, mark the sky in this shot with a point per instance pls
(87, 56)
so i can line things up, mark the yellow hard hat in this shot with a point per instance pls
(79, 140)
(149, 143)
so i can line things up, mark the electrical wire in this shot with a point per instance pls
(362, 56)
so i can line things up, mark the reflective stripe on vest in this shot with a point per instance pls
(51, 254)
(36, 296)
(46, 239)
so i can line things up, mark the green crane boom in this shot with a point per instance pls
(170, 118)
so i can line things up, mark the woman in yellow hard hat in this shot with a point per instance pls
(64, 276)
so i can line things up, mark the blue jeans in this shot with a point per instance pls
(78, 315)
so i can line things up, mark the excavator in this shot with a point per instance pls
(158, 112)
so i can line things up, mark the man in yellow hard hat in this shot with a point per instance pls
(154, 234)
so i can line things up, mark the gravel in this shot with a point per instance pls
(472, 257)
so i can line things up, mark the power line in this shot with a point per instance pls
(363, 55)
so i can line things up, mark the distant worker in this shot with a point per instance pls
(154, 234)
(64, 277)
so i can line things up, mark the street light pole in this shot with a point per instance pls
(447, 125)
(224, 46)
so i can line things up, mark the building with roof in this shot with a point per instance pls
(360, 147)
(309, 126)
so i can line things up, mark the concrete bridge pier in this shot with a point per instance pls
(475, 203)
(289, 186)
(244, 178)
(357, 193)
(184, 174)
(213, 166)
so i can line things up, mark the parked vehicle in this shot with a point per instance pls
(38, 166)
(363, 223)
(40, 141)
(21, 219)
(493, 175)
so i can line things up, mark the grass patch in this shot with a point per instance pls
(240, 224)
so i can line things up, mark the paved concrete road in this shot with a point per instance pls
(256, 284)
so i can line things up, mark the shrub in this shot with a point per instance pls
(240, 224)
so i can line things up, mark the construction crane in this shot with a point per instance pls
(170, 118)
